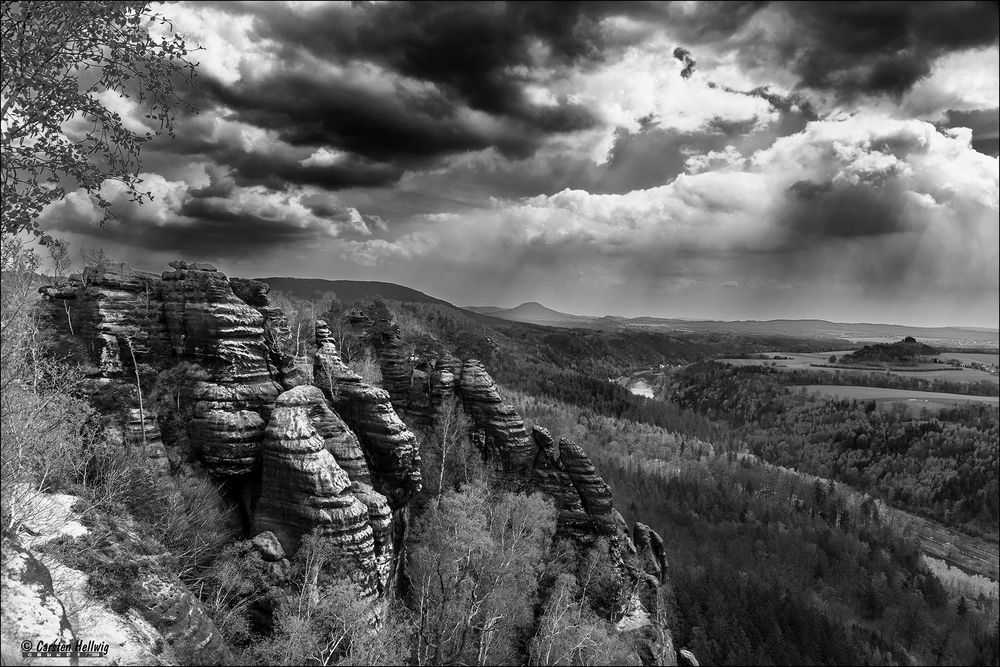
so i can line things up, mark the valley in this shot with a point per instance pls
(715, 442)
(967, 552)
(729, 395)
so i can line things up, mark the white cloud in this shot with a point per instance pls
(715, 227)
(960, 81)
(727, 159)
(323, 157)
(229, 47)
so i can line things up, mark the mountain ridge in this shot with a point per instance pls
(536, 313)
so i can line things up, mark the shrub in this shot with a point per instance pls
(366, 365)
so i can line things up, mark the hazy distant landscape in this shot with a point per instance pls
(958, 337)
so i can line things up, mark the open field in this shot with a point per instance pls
(820, 361)
(794, 360)
(917, 399)
(970, 357)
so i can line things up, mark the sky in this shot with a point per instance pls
(690, 159)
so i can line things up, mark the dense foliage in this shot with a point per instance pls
(772, 567)
(60, 61)
(889, 380)
(944, 466)
(906, 351)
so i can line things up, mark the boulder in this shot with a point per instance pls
(29, 607)
(268, 546)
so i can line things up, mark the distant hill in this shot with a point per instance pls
(532, 312)
(349, 291)
(908, 350)
(848, 332)
(485, 310)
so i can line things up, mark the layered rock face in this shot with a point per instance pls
(110, 305)
(192, 314)
(393, 362)
(549, 477)
(231, 335)
(322, 449)
(141, 430)
(504, 429)
(390, 447)
(649, 547)
(585, 506)
(585, 502)
(304, 488)
(309, 468)
(209, 324)
(595, 494)
(276, 331)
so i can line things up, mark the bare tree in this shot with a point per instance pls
(59, 256)
(130, 334)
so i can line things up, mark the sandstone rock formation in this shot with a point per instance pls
(548, 477)
(649, 548)
(320, 448)
(277, 335)
(393, 363)
(595, 494)
(207, 323)
(504, 429)
(304, 488)
(390, 447)
(141, 430)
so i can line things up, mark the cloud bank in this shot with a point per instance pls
(728, 160)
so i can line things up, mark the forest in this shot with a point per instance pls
(944, 466)
(801, 376)
(838, 585)
(158, 428)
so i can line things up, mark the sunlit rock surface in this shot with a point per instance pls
(390, 447)
(303, 489)
(503, 427)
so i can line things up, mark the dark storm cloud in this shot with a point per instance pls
(276, 166)
(468, 49)
(409, 128)
(218, 233)
(683, 55)
(852, 48)
(827, 210)
(985, 126)
(445, 63)
(702, 22)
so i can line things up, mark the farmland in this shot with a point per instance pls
(932, 400)
(820, 361)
